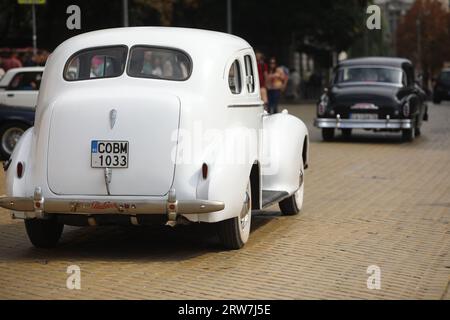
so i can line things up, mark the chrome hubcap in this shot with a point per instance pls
(10, 139)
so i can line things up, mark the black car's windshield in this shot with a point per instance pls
(370, 75)
(445, 77)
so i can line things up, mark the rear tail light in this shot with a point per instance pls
(20, 169)
(205, 171)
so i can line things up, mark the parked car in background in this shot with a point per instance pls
(441, 90)
(378, 94)
(20, 86)
(134, 124)
(14, 121)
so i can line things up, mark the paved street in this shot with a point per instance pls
(369, 201)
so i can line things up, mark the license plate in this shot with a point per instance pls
(109, 154)
(364, 116)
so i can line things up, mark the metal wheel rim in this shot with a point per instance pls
(301, 181)
(10, 138)
(245, 213)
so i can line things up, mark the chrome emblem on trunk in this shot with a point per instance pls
(112, 117)
(364, 106)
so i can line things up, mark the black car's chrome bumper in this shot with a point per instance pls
(38, 207)
(363, 124)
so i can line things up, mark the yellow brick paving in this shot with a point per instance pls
(369, 201)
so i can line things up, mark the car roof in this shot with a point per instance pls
(375, 61)
(27, 69)
(187, 39)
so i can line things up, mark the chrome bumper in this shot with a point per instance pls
(37, 206)
(387, 123)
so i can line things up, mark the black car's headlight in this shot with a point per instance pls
(406, 109)
(323, 105)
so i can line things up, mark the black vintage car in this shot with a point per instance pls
(13, 123)
(442, 87)
(374, 93)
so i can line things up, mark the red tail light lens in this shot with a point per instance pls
(205, 171)
(20, 169)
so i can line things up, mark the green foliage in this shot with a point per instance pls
(321, 24)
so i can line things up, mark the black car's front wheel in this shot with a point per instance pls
(408, 135)
(328, 134)
(437, 100)
(347, 133)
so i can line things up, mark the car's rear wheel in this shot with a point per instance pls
(347, 133)
(44, 233)
(437, 100)
(293, 205)
(10, 134)
(328, 134)
(234, 233)
(408, 135)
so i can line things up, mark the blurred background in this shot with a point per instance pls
(307, 37)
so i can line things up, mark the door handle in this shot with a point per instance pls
(10, 95)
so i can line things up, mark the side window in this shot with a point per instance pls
(234, 78)
(26, 81)
(249, 74)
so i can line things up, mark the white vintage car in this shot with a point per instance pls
(135, 125)
(19, 87)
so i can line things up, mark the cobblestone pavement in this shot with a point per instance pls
(369, 201)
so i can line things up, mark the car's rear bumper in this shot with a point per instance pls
(37, 206)
(363, 124)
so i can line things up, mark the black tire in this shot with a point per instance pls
(231, 233)
(289, 206)
(7, 143)
(328, 134)
(408, 135)
(293, 205)
(437, 100)
(347, 133)
(44, 233)
(418, 132)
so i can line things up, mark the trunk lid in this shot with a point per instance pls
(146, 119)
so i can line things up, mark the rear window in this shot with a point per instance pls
(95, 63)
(159, 63)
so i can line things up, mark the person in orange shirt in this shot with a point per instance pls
(276, 82)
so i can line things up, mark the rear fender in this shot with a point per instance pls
(226, 181)
(15, 186)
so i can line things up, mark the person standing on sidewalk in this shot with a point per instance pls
(262, 71)
(276, 81)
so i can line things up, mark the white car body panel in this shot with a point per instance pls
(149, 111)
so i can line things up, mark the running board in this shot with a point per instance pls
(269, 198)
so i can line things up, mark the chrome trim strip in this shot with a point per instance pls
(363, 124)
(253, 105)
(104, 206)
